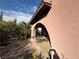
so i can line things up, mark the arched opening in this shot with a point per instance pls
(42, 40)
(41, 32)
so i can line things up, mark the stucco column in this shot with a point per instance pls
(32, 33)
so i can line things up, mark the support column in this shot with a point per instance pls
(32, 33)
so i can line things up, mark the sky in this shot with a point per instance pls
(22, 10)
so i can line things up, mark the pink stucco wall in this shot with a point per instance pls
(62, 23)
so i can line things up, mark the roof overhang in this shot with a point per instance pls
(41, 12)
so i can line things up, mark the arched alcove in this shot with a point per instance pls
(41, 31)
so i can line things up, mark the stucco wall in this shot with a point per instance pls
(62, 23)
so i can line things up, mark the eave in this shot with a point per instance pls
(41, 12)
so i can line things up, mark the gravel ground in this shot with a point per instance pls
(13, 50)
